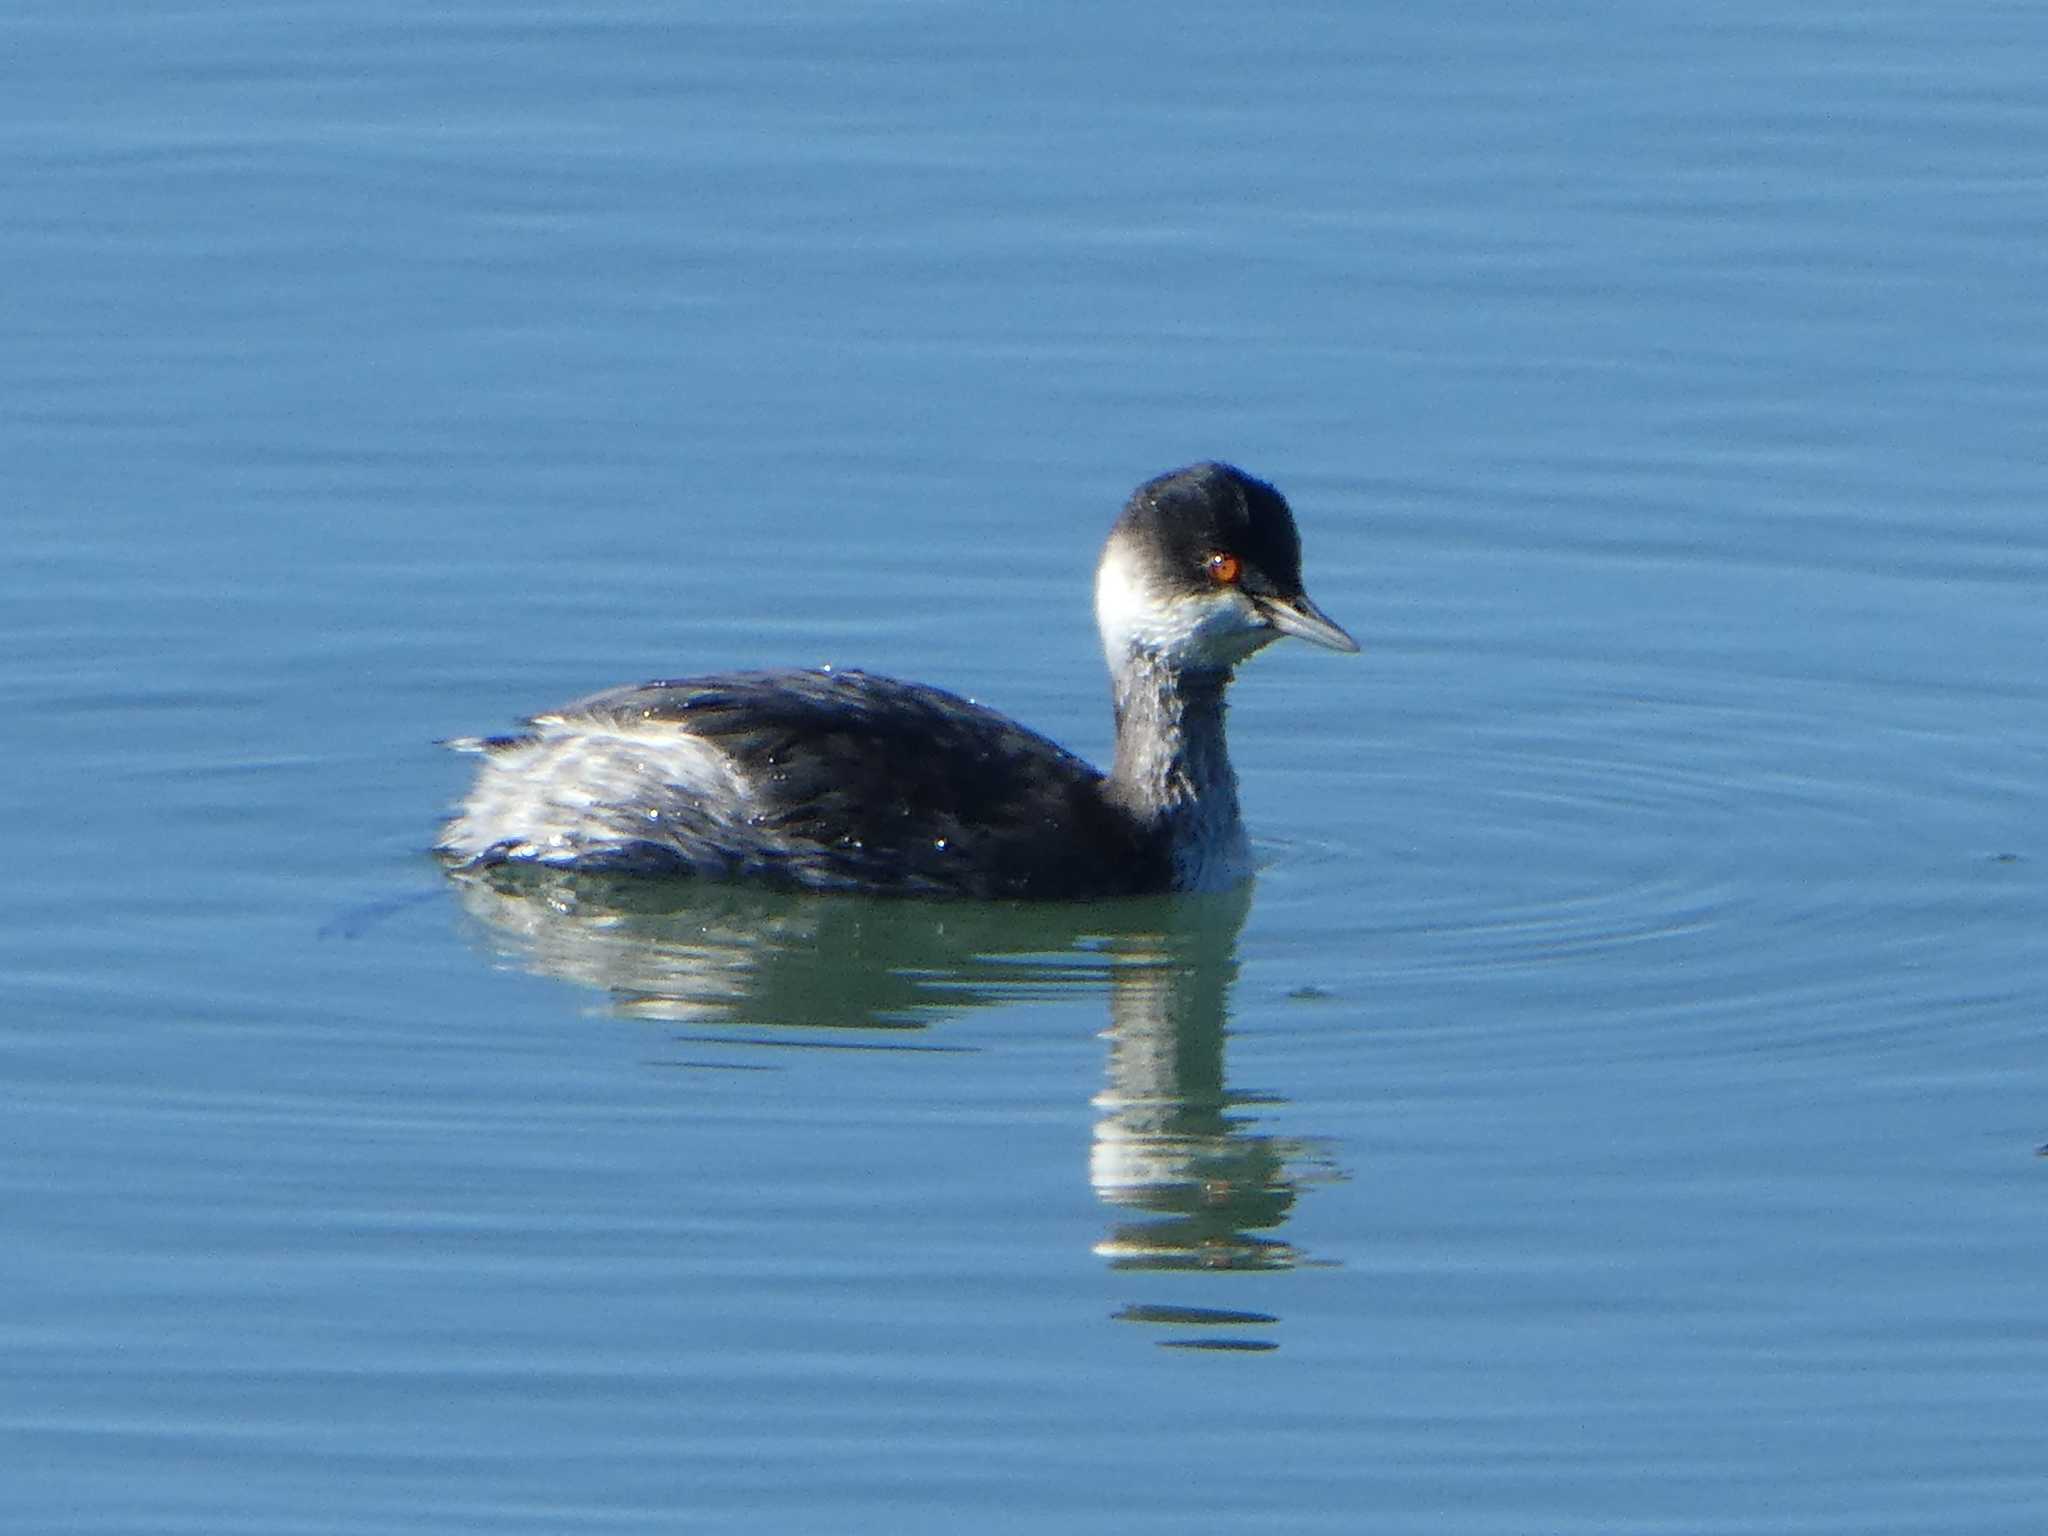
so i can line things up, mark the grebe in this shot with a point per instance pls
(844, 781)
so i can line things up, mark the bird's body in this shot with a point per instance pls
(833, 780)
(842, 780)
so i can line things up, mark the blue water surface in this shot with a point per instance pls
(1615, 1107)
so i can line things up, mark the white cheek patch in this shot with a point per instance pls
(1123, 607)
(1217, 629)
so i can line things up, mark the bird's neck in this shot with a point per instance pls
(1172, 768)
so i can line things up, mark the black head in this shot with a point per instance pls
(1203, 568)
(1189, 515)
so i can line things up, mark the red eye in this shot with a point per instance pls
(1224, 569)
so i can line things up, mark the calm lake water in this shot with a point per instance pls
(1614, 1109)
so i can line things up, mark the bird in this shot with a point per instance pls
(845, 781)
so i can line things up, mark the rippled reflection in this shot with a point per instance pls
(1167, 1143)
(1195, 1184)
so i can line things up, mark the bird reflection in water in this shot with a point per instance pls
(1173, 1147)
(1170, 1140)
